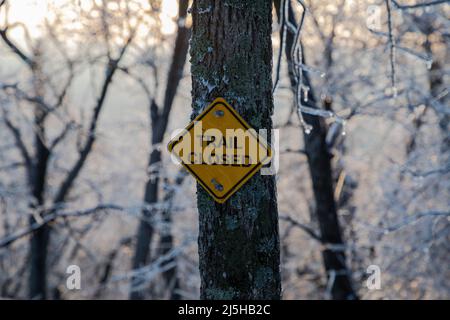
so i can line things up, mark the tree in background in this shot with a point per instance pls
(231, 57)
(159, 121)
(47, 97)
(319, 157)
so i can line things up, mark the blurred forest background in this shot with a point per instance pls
(91, 90)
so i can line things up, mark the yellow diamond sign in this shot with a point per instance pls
(221, 150)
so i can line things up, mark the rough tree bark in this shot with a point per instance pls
(159, 121)
(319, 162)
(231, 57)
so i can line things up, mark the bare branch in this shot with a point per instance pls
(283, 31)
(45, 219)
(61, 136)
(418, 5)
(12, 166)
(392, 47)
(15, 49)
(22, 95)
(111, 68)
(415, 217)
(175, 72)
(302, 226)
(19, 141)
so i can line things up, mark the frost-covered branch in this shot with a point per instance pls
(111, 68)
(144, 275)
(418, 5)
(311, 232)
(392, 47)
(6, 241)
(19, 141)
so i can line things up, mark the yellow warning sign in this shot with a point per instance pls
(221, 150)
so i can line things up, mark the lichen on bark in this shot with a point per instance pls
(231, 57)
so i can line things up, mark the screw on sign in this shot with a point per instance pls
(221, 150)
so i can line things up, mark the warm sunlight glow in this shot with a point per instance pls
(32, 13)
(169, 12)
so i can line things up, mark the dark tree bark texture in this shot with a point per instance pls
(231, 57)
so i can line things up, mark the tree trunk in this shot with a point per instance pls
(165, 246)
(436, 87)
(166, 242)
(159, 125)
(231, 57)
(145, 231)
(40, 238)
(319, 161)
